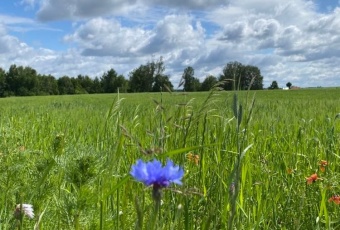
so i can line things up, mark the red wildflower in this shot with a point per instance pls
(335, 199)
(312, 178)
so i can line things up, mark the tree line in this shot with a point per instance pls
(150, 77)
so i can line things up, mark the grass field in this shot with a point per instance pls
(247, 157)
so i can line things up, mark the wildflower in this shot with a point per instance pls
(312, 178)
(24, 209)
(193, 158)
(290, 171)
(323, 165)
(153, 173)
(335, 199)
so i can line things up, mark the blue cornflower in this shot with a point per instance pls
(153, 173)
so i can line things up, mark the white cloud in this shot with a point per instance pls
(10, 46)
(9, 20)
(172, 33)
(107, 37)
(74, 9)
(188, 4)
(22, 24)
(288, 40)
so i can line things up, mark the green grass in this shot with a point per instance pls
(70, 156)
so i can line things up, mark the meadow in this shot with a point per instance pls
(248, 159)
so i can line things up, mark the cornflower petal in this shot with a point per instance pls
(154, 169)
(139, 171)
(153, 173)
(173, 173)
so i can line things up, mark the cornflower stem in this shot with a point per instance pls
(156, 194)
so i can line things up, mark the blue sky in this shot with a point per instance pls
(292, 40)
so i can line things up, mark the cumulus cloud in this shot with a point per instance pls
(288, 40)
(73, 9)
(10, 46)
(107, 37)
(189, 4)
(174, 32)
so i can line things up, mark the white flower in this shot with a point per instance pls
(26, 209)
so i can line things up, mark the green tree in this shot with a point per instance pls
(237, 76)
(289, 84)
(96, 87)
(122, 84)
(208, 83)
(78, 89)
(251, 78)
(2, 83)
(189, 82)
(197, 84)
(12, 80)
(274, 85)
(161, 82)
(142, 79)
(49, 85)
(65, 85)
(109, 81)
(230, 75)
(22, 81)
(86, 83)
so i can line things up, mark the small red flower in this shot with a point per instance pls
(335, 199)
(312, 178)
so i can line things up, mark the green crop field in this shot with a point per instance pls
(248, 160)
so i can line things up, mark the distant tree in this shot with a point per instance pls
(122, 84)
(12, 80)
(142, 79)
(49, 85)
(22, 81)
(237, 76)
(289, 85)
(189, 82)
(85, 83)
(96, 87)
(230, 75)
(208, 83)
(65, 85)
(109, 81)
(251, 78)
(78, 89)
(2, 83)
(274, 85)
(188, 79)
(196, 84)
(161, 82)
